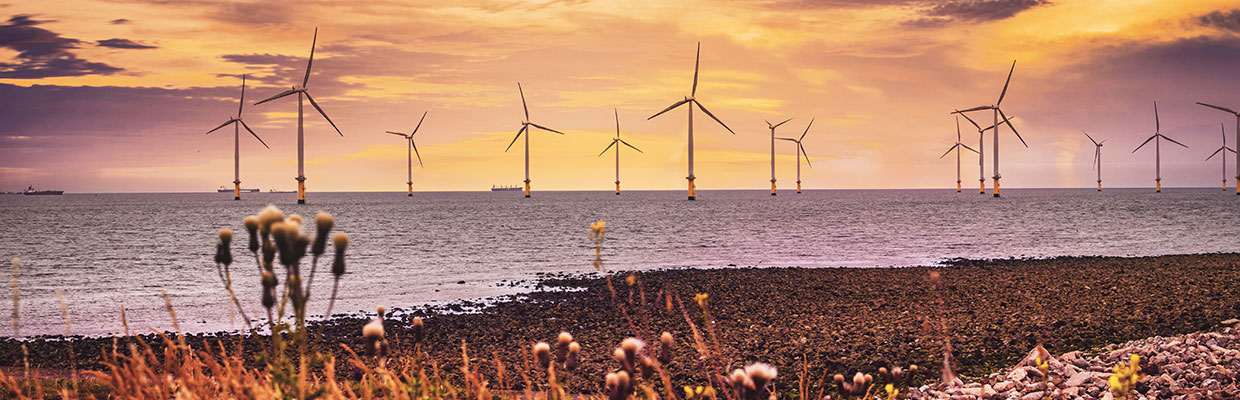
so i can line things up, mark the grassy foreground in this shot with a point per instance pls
(807, 324)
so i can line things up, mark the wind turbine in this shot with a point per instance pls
(411, 149)
(981, 134)
(525, 128)
(692, 100)
(1097, 156)
(303, 91)
(1224, 147)
(1157, 150)
(768, 125)
(959, 145)
(613, 143)
(237, 124)
(998, 112)
(1237, 114)
(800, 151)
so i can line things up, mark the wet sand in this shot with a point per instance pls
(839, 319)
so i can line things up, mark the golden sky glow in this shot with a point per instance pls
(880, 79)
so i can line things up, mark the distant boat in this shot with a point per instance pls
(506, 188)
(273, 190)
(225, 189)
(31, 192)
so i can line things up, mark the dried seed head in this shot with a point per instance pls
(322, 224)
(666, 338)
(341, 241)
(226, 236)
(561, 346)
(741, 383)
(858, 380)
(269, 289)
(251, 227)
(839, 379)
(760, 374)
(665, 351)
(268, 216)
(542, 353)
(632, 346)
(295, 219)
(269, 255)
(373, 333)
(417, 330)
(619, 385)
(574, 348)
(223, 252)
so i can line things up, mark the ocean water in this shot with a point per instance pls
(102, 251)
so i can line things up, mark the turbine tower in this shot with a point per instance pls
(617, 139)
(800, 151)
(412, 149)
(1097, 157)
(1157, 150)
(303, 92)
(1237, 114)
(1224, 158)
(692, 100)
(981, 134)
(237, 125)
(959, 145)
(772, 127)
(998, 112)
(525, 128)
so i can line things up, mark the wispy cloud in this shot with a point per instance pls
(43, 53)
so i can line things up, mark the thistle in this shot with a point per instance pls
(750, 383)
(542, 354)
(373, 333)
(223, 251)
(417, 330)
(267, 217)
(665, 350)
(341, 242)
(618, 385)
(251, 227)
(561, 346)
(573, 350)
(322, 224)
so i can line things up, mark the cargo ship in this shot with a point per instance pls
(506, 188)
(225, 189)
(31, 192)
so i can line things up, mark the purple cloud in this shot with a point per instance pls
(43, 53)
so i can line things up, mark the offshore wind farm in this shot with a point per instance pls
(873, 280)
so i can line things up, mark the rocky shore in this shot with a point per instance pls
(829, 321)
(1196, 366)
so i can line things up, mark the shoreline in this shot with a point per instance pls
(851, 319)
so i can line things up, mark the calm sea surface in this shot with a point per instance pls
(108, 249)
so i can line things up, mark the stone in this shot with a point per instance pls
(1031, 396)
(1079, 379)
(1017, 375)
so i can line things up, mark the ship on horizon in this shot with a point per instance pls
(224, 189)
(31, 192)
(503, 188)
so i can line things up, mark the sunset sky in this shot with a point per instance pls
(114, 96)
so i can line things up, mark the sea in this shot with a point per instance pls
(104, 251)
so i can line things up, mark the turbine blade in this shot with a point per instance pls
(523, 106)
(811, 123)
(969, 148)
(788, 139)
(546, 128)
(781, 123)
(802, 148)
(949, 150)
(617, 122)
(310, 62)
(971, 121)
(1229, 149)
(1214, 153)
(415, 129)
(1157, 127)
(514, 140)
(978, 108)
(631, 146)
(1008, 121)
(415, 152)
(242, 102)
(613, 143)
(1005, 84)
(669, 108)
(1097, 153)
(221, 126)
(712, 116)
(281, 94)
(696, 62)
(323, 113)
(1172, 140)
(957, 128)
(247, 128)
(1143, 143)
(398, 134)
(1225, 109)
(1091, 138)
